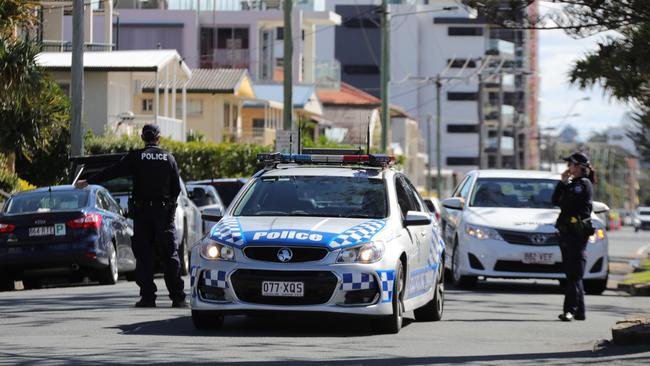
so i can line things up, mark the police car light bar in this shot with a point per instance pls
(378, 160)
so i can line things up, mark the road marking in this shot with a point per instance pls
(642, 249)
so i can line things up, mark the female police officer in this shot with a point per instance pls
(573, 195)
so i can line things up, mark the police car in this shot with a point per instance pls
(321, 233)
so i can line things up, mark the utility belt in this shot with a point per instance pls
(161, 203)
(574, 225)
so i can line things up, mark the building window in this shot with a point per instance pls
(462, 128)
(362, 22)
(194, 108)
(460, 62)
(465, 31)
(462, 96)
(361, 69)
(226, 116)
(279, 33)
(279, 62)
(455, 160)
(147, 105)
(258, 127)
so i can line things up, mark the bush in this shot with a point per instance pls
(196, 160)
(8, 180)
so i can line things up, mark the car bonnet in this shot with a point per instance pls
(332, 233)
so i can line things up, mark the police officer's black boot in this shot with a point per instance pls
(145, 303)
(182, 303)
(566, 317)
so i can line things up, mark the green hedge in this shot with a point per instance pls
(196, 160)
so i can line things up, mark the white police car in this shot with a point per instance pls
(323, 233)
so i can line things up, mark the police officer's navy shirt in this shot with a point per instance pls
(574, 198)
(154, 171)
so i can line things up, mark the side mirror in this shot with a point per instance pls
(416, 218)
(213, 215)
(454, 203)
(600, 207)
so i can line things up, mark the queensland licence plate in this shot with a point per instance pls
(538, 258)
(283, 288)
(41, 231)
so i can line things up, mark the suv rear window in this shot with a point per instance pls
(47, 201)
(323, 196)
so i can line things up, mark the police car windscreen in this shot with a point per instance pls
(45, 201)
(322, 196)
(515, 193)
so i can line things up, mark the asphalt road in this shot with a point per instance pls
(499, 323)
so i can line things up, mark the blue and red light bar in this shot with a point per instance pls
(378, 160)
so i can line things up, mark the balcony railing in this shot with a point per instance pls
(239, 5)
(507, 111)
(227, 59)
(169, 127)
(66, 46)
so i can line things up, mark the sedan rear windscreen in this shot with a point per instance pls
(47, 201)
(514, 193)
(323, 196)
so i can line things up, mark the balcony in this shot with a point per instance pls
(226, 59)
(507, 114)
(507, 145)
(498, 47)
(245, 5)
(257, 136)
(169, 127)
(66, 46)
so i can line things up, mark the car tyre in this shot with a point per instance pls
(207, 320)
(110, 274)
(432, 311)
(130, 276)
(32, 283)
(595, 287)
(392, 324)
(458, 280)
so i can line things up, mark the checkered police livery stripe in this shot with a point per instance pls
(228, 231)
(387, 279)
(358, 234)
(193, 271)
(357, 281)
(215, 279)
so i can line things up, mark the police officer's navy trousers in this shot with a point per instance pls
(574, 260)
(154, 236)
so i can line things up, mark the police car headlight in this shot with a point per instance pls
(367, 253)
(599, 235)
(482, 233)
(212, 250)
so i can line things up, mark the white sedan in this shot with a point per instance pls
(500, 223)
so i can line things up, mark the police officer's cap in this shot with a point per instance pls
(150, 131)
(577, 158)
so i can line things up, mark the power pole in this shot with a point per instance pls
(77, 87)
(438, 149)
(481, 123)
(429, 175)
(385, 74)
(499, 160)
(288, 68)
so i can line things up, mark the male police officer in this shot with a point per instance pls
(156, 187)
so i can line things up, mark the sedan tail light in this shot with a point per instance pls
(88, 221)
(6, 228)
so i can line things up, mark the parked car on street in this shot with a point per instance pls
(206, 198)
(61, 230)
(322, 233)
(500, 223)
(226, 187)
(642, 219)
(189, 226)
(433, 204)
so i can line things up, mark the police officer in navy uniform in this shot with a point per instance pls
(156, 186)
(573, 194)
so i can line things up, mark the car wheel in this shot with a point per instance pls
(203, 319)
(109, 275)
(432, 311)
(595, 287)
(393, 323)
(130, 276)
(184, 256)
(457, 279)
(32, 283)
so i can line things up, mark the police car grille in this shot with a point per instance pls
(527, 238)
(319, 286)
(300, 254)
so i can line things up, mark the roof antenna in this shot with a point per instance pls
(368, 137)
